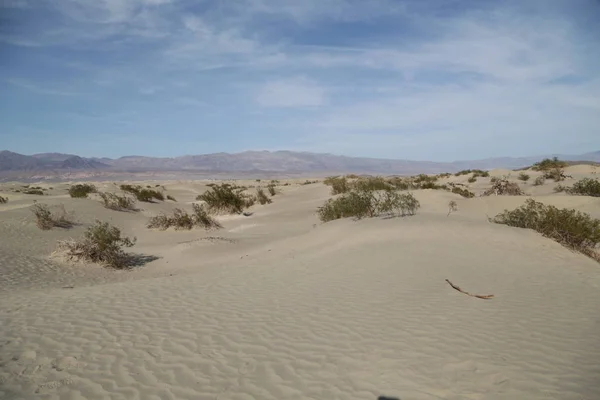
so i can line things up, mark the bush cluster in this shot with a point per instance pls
(182, 220)
(226, 198)
(584, 187)
(143, 194)
(81, 190)
(118, 203)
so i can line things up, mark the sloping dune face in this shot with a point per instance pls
(277, 305)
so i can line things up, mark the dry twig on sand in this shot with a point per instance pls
(479, 296)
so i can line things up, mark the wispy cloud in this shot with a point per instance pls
(405, 78)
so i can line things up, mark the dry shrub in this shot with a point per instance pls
(47, 219)
(556, 174)
(118, 203)
(81, 190)
(143, 194)
(101, 243)
(365, 204)
(584, 187)
(452, 207)
(570, 228)
(463, 192)
(539, 181)
(262, 197)
(523, 177)
(271, 189)
(505, 188)
(3, 200)
(182, 220)
(338, 184)
(226, 198)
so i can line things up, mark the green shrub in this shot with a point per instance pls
(366, 204)
(81, 190)
(101, 243)
(463, 192)
(539, 181)
(571, 228)
(38, 192)
(338, 184)
(147, 195)
(523, 177)
(472, 179)
(225, 198)
(46, 219)
(262, 197)
(585, 187)
(476, 173)
(547, 164)
(444, 175)
(118, 203)
(422, 178)
(3, 200)
(371, 183)
(401, 183)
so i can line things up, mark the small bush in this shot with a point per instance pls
(118, 203)
(494, 179)
(182, 220)
(307, 182)
(362, 204)
(585, 187)
(547, 164)
(539, 181)
(571, 228)
(472, 179)
(3, 200)
(101, 243)
(422, 178)
(147, 195)
(271, 189)
(262, 197)
(401, 184)
(46, 219)
(225, 198)
(476, 173)
(523, 177)
(557, 174)
(81, 190)
(38, 192)
(444, 175)
(371, 183)
(463, 192)
(452, 207)
(169, 197)
(504, 187)
(338, 185)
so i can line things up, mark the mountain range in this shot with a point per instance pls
(249, 162)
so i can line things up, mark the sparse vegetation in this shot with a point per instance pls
(539, 181)
(463, 192)
(472, 179)
(271, 189)
(452, 207)
(101, 243)
(476, 173)
(3, 200)
(370, 184)
(143, 194)
(365, 203)
(81, 190)
(523, 177)
(549, 163)
(118, 203)
(571, 228)
(307, 182)
(46, 219)
(38, 192)
(182, 220)
(262, 197)
(503, 187)
(226, 198)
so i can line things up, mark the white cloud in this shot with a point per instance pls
(296, 92)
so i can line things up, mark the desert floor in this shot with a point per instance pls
(278, 305)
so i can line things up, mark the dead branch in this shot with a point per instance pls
(479, 296)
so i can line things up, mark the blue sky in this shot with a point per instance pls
(425, 80)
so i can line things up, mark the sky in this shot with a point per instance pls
(437, 80)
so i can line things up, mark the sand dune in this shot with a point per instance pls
(278, 305)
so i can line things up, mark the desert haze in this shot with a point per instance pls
(401, 288)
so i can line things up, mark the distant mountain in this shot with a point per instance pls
(283, 162)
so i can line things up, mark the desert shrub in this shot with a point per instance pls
(504, 187)
(3, 200)
(557, 174)
(81, 190)
(38, 192)
(371, 183)
(585, 187)
(169, 197)
(225, 198)
(430, 185)
(338, 184)
(571, 228)
(444, 175)
(271, 189)
(261, 196)
(476, 173)
(539, 181)
(463, 192)
(182, 220)
(472, 179)
(101, 243)
(523, 177)
(494, 179)
(307, 182)
(147, 195)
(548, 164)
(401, 184)
(452, 207)
(115, 202)
(364, 203)
(46, 219)
(423, 178)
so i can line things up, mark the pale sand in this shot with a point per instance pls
(280, 306)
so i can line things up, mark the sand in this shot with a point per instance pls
(278, 305)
